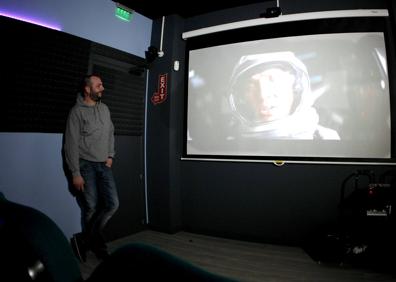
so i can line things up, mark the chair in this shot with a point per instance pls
(33, 248)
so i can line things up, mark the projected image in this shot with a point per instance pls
(321, 95)
(271, 96)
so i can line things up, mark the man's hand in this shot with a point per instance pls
(109, 162)
(78, 183)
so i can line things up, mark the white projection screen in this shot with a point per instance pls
(324, 95)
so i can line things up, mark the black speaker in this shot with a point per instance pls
(151, 54)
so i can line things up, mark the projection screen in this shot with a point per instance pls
(322, 95)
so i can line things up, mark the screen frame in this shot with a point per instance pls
(295, 25)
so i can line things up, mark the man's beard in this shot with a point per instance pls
(95, 96)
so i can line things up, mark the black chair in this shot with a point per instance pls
(33, 248)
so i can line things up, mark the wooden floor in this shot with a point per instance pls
(245, 261)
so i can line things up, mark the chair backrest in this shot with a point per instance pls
(33, 247)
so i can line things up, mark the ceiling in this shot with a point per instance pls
(156, 9)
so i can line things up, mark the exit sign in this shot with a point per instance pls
(123, 13)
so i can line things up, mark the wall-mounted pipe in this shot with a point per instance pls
(161, 52)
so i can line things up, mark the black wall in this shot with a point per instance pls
(164, 131)
(251, 201)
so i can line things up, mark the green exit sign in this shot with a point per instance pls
(123, 14)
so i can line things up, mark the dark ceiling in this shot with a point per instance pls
(156, 9)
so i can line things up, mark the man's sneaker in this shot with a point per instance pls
(78, 247)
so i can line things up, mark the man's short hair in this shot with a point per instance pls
(86, 81)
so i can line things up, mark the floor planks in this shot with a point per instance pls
(245, 261)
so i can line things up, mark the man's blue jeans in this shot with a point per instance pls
(98, 201)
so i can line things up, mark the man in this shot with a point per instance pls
(89, 152)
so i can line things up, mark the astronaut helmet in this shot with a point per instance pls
(265, 89)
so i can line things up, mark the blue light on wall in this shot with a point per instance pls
(29, 20)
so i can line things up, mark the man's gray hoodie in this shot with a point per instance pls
(89, 134)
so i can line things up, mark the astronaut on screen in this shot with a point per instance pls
(270, 95)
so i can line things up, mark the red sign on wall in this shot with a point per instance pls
(161, 94)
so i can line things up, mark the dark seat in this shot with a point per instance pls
(33, 248)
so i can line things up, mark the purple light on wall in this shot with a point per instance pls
(29, 20)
